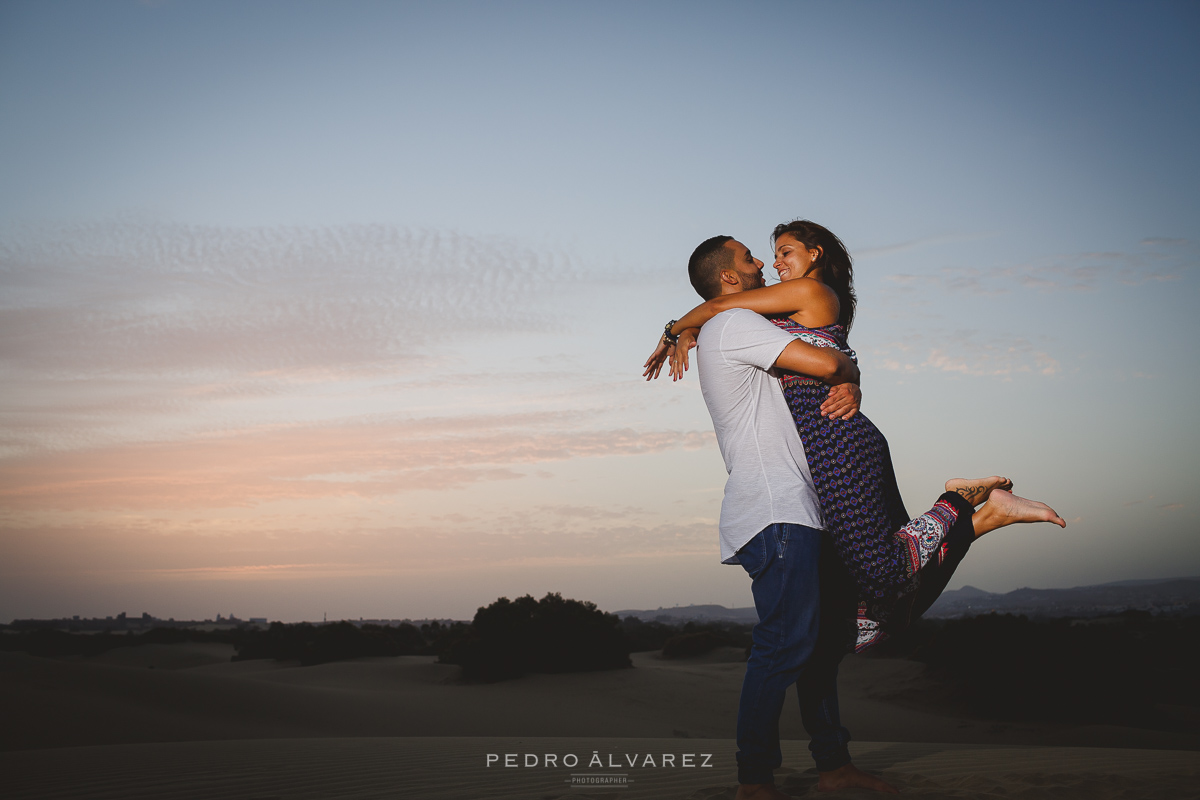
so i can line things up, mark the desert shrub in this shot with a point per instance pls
(47, 643)
(53, 644)
(698, 638)
(686, 645)
(644, 636)
(1009, 667)
(304, 642)
(440, 638)
(512, 637)
(320, 644)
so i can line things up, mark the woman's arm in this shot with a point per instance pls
(665, 350)
(783, 298)
(654, 363)
(679, 357)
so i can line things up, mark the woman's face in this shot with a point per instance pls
(793, 258)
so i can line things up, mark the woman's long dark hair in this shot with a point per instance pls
(837, 269)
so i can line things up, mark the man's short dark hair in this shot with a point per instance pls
(706, 263)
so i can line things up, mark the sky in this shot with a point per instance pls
(338, 309)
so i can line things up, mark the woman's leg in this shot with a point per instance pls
(935, 573)
(1000, 510)
(851, 468)
(848, 462)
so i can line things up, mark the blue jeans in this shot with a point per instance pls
(785, 563)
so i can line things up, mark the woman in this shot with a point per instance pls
(899, 564)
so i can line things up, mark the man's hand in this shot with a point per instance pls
(843, 401)
(679, 358)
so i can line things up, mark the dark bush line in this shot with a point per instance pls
(52, 643)
(509, 638)
(1007, 667)
(320, 644)
(643, 636)
(1000, 667)
(309, 644)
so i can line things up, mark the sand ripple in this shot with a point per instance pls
(455, 767)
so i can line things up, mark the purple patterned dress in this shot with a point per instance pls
(886, 553)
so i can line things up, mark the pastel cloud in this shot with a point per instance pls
(143, 552)
(176, 299)
(1078, 272)
(965, 354)
(350, 459)
(918, 244)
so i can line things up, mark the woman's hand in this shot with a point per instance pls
(842, 402)
(679, 358)
(654, 363)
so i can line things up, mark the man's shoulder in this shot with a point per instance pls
(733, 319)
(737, 326)
(735, 315)
(740, 338)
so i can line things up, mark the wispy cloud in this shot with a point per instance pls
(140, 552)
(363, 459)
(1164, 260)
(150, 330)
(177, 299)
(966, 354)
(916, 244)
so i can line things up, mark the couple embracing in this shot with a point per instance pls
(811, 509)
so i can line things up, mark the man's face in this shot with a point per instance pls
(748, 268)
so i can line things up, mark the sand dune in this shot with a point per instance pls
(456, 768)
(116, 699)
(183, 721)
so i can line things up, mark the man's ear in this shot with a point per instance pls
(729, 276)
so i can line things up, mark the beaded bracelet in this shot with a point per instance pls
(668, 337)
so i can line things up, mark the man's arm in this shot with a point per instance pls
(829, 366)
(826, 364)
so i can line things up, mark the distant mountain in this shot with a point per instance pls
(680, 614)
(1175, 596)
(970, 591)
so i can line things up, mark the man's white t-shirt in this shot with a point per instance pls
(769, 479)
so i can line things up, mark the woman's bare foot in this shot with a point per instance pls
(851, 777)
(976, 490)
(1003, 509)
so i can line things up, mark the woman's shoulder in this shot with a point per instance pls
(813, 288)
(817, 303)
(813, 294)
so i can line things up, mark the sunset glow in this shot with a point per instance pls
(340, 309)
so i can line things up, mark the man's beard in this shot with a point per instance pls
(751, 281)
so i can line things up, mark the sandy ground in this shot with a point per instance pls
(456, 767)
(183, 721)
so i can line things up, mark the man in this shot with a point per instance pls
(771, 522)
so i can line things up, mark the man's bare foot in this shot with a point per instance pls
(976, 490)
(1003, 509)
(760, 791)
(851, 777)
